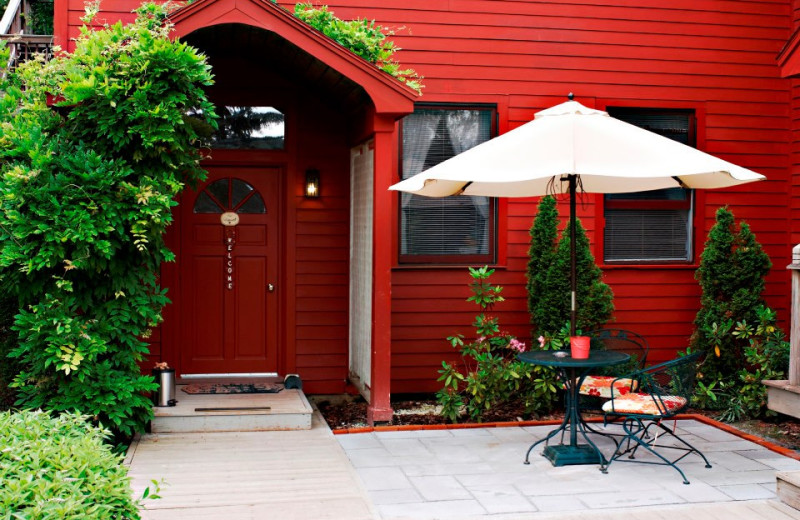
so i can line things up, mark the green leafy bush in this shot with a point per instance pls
(60, 468)
(41, 17)
(731, 276)
(765, 356)
(489, 373)
(362, 37)
(86, 192)
(8, 369)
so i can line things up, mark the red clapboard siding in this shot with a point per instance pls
(795, 160)
(718, 56)
(715, 56)
(318, 328)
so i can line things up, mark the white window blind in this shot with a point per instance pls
(653, 226)
(459, 226)
(647, 235)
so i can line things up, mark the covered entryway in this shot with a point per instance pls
(273, 289)
(230, 246)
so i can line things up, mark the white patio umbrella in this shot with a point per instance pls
(570, 145)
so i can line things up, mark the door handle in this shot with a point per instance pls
(270, 287)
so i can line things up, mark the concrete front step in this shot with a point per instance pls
(285, 410)
(789, 487)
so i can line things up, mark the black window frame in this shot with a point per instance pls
(490, 256)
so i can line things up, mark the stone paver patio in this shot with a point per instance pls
(474, 473)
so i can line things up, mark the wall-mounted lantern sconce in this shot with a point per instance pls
(312, 183)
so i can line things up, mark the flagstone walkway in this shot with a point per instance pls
(441, 474)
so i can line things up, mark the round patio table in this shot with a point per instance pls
(572, 372)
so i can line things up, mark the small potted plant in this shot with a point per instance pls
(579, 347)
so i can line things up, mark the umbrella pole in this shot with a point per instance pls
(573, 270)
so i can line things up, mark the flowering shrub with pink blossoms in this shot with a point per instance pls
(488, 372)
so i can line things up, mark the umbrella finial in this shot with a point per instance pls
(570, 96)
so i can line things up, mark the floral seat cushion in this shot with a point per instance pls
(644, 404)
(600, 386)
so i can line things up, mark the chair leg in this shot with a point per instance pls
(690, 448)
(646, 446)
(632, 427)
(637, 435)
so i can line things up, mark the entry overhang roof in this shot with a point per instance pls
(389, 95)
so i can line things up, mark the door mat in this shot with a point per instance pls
(232, 388)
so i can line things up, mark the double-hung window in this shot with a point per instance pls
(652, 226)
(457, 229)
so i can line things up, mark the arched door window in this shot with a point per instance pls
(229, 194)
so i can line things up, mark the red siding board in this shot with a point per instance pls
(322, 360)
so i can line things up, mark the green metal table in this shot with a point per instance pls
(572, 372)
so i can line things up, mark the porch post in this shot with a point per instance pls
(380, 407)
(794, 328)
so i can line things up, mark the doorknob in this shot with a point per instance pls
(270, 287)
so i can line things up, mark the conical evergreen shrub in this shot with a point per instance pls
(542, 251)
(731, 276)
(594, 297)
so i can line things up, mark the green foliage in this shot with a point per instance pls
(8, 369)
(542, 251)
(86, 192)
(731, 276)
(490, 373)
(594, 298)
(41, 17)
(766, 356)
(60, 468)
(363, 37)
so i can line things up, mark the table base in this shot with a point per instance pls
(566, 455)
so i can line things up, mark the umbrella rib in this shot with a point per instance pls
(464, 187)
(680, 182)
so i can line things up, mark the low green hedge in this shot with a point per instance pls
(59, 467)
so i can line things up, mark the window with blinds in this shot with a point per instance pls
(652, 226)
(457, 229)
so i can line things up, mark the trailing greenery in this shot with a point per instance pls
(489, 373)
(363, 37)
(542, 251)
(86, 191)
(766, 356)
(731, 276)
(60, 468)
(594, 298)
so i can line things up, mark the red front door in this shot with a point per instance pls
(229, 255)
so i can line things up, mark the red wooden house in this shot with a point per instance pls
(359, 284)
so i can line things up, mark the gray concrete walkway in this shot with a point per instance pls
(473, 473)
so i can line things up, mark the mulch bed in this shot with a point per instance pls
(348, 412)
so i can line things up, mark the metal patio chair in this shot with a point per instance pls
(595, 388)
(631, 343)
(664, 391)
